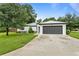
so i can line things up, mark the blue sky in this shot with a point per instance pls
(46, 10)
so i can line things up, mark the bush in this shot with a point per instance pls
(68, 31)
(30, 30)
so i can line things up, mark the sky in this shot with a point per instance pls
(46, 10)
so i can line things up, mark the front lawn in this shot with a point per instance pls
(14, 41)
(74, 34)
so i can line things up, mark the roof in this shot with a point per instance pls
(48, 22)
(53, 22)
(32, 24)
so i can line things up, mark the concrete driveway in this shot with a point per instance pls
(49, 45)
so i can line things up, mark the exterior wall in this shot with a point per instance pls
(63, 28)
(26, 29)
(40, 29)
(34, 29)
(19, 30)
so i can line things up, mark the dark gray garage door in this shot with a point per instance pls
(52, 29)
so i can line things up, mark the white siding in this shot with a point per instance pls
(26, 29)
(63, 28)
(41, 29)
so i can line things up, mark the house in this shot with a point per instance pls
(49, 27)
(26, 28)
(52, 27)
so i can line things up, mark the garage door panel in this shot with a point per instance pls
(52, 29)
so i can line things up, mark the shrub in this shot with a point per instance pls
(67, 31)
(30, 30)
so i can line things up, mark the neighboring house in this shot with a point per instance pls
(49, 27)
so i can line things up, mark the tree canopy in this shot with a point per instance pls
(72, 21)
(39, 21)
(16, 15)
(49, 19)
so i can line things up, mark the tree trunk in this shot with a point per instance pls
(7, 30)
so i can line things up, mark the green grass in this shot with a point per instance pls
(74, 34)
(14, 41)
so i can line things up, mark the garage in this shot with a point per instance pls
(52, 30)
(52, 27)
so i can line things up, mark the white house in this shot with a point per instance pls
(49, 27)
(52, 27)
(26, 28)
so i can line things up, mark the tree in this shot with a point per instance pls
(31, 13)
(72, 21)
(39, 21)
(15, 15)
(61, 19)
(49, 19)
(76, 22)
